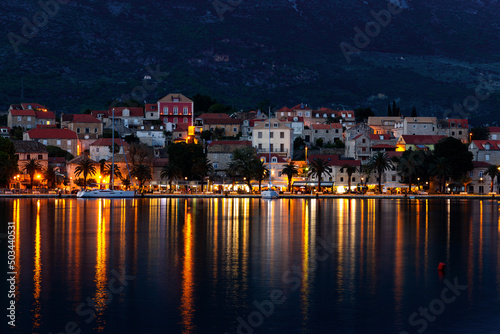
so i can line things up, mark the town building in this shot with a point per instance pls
(421, 126)
(383, 124)
(456, 128)
(417, 142)
(152, 135)
(87, 127)
(25, 151)
(327, 133)
(486, 151)
(220, 153)
(277, 138)
(494, 133)
(151, 112)
(63, 138)
(102, 148)
(176, 109)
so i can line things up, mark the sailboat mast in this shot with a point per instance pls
(113, 151)
(269, 135)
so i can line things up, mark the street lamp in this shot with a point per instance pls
(418, 183)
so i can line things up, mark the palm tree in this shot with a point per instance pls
(170, 171)
(126, 182)
(290, 170)
(143, 174)
(317, 168)
(31, 168)
(260, 173)
(380, 162)
(441, 168)
(85, 167)
(408, 165)
(52, 177)
(202, 167)
(492, 172)
(116, 171)
(349, 169)
(465, 180)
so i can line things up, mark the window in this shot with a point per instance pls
(487, 157)
(185, 119)
(363, 149)
(299, 113)
(58, 142)
(425, 126)
(471, 174)
(271, 135)
(308, 114)
(414, 126)
(259, 134)
(341, 179)
(68, 142)
(260, 146)
(87, 130)
(452, 133)
(282, 113)
(274, 159)
(29, 119)
(96, 130)
(317, 115)
(282, 147)
(282, 134)
(28, 157)
(266, 125)
(363, 141)
(325, 115)
(481, 174)
(494, 137)
(97, 150)
(176, 111)
(460, 132)
(326, 131)
(315, 131)
(175, 120)
(45, 142)
(77, 130)
(19, 118)
(336, 130)
(275, 125)
(216, 165)
(151, 114)
(353, 179)
(235, 129)
(185, 111)
(165, 110)
(69, 150)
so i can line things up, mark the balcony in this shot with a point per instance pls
(274, 150)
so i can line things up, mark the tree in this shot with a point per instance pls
(408, 166)
(85, 168)
(318, 168)
(480, 133)
(363, 113)
(441, 168)
(465, 180)
(219, 108)
(457, 154)
(202, 167)
(170, 172)
(244, 161)
(31, 167)
(57, 152)
(260, 172)
(8, 161)
(16, 133)
(185, 155)
(319, 142)
(290, 170)
(380, 163)
(126, 182)
(140, 154)
(143, 174)
(52, 177)
(202, 103)
(349, 169)
(492, 172)
(116, 171)
(414, 112)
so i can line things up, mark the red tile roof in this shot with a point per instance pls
(481, 164)
(80, 118)
(494, 129)
(377, 137)
(299, 119)
(459, 123)
(301, 106)
(284, 109)
(326, 126)
(481, 144)
(23, 113)
(383, 146)
(151, 107)
(44, 114)
(33, 106)
(52, 133)
(105, 113)
(222, 121)
(181, 127)
(108, 141)
(421, 139)
(206, 116)
(134, 112)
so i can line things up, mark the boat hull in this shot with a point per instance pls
(105, 193)
(270, 194)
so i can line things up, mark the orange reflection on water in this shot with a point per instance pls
(37, 277)
(187, 301)
(17, 269)
(100, 266)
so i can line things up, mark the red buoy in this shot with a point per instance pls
(441, 266)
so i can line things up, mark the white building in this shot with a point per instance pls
(152, 135)
(277, 138)
(100, 149)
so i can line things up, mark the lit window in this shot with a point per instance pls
(185, 111)
(176, 111)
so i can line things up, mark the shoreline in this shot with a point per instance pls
(287, 196)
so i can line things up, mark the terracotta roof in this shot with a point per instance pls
(33, 106)
(299, 118)
(172, 97)
(108, 141)
(481, 144)
(377, 137)
(383, 146)
(105, 113)
(458, 123)
(494, 129)
(46, 126)
(79, 158)
(231, 142)
(284, 109)
(52, 133)
(181, 127)
(29, 146)
(421, 139)
(151, 107)
(222, 121)
(481, 164)
(326, 126)
(348, 113)
(206, 116)
(134, 112)
(301, 106)
(44, 114)
(80, 118)
(23, 113)
(334, 160)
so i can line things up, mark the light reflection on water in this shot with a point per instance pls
(200, 264)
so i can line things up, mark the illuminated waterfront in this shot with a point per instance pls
(205, 265)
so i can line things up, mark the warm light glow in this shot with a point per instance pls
(187, 301)
(37, 277)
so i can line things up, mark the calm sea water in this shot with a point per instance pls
(253, 266)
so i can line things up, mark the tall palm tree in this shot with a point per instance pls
(408, 164)
(349, 169)
(492, 172)
(52, 177)
(290, 170)
(143, 174)
(85, 168)
(381, 162)
(170, 171)
(202, 167)
(317, 168)
(260, 173)
(441, 168)
(116, 171)
(31, 167)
